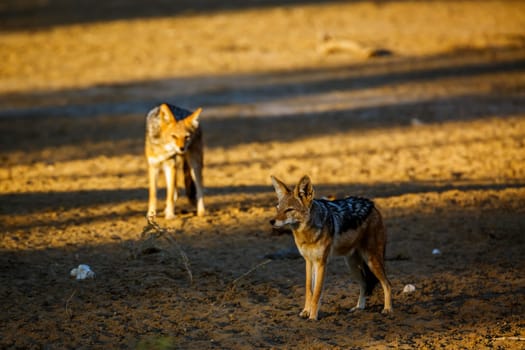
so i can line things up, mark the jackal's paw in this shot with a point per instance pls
(305, 314)
(201, 212)
(151, 214)
(387, 311)
(169, 215)
(357, 308)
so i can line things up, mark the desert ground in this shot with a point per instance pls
(419, 105)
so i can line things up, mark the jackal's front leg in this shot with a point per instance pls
(153, 173)
(315, 302)
(169, 172)
(308, 290)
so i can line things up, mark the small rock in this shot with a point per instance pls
(416, 122)
(409, 288)
(82, 272)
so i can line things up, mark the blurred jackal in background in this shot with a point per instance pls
(351, 227)
(174, 136)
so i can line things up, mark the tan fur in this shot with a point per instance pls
(363, 245)
(169, 145)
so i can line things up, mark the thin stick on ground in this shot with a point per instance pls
(235, 281)
(250, 271)
(511, 338)
(69, 313)
(153, 230)
(184, 257)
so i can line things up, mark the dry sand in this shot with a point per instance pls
(432, 129)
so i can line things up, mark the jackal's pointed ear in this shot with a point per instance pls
(166, 115)
(305, 190)
(192, 121)
(280, 188)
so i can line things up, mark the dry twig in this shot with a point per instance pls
(511, 338)
(184, 257)
(153, 231)
(69, 313)
(235, 281)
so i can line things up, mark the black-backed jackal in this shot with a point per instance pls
(173, 135)
(350, 227)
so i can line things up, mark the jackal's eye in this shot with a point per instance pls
(289, 210)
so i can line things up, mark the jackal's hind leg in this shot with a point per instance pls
(194, 183)
(377, 267)
(354, 263)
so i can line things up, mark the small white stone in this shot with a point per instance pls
(82, 272)
(436, 251)
(409, 288)
(416, 122)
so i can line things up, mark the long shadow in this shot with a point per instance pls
(23, 15)
(438, 110)
(124, 135)
(261, 87)
(117, 128)
(29, 203)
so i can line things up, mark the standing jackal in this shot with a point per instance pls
(173, 135)
(351, 227)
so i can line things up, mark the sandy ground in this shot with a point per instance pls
(418, 105)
